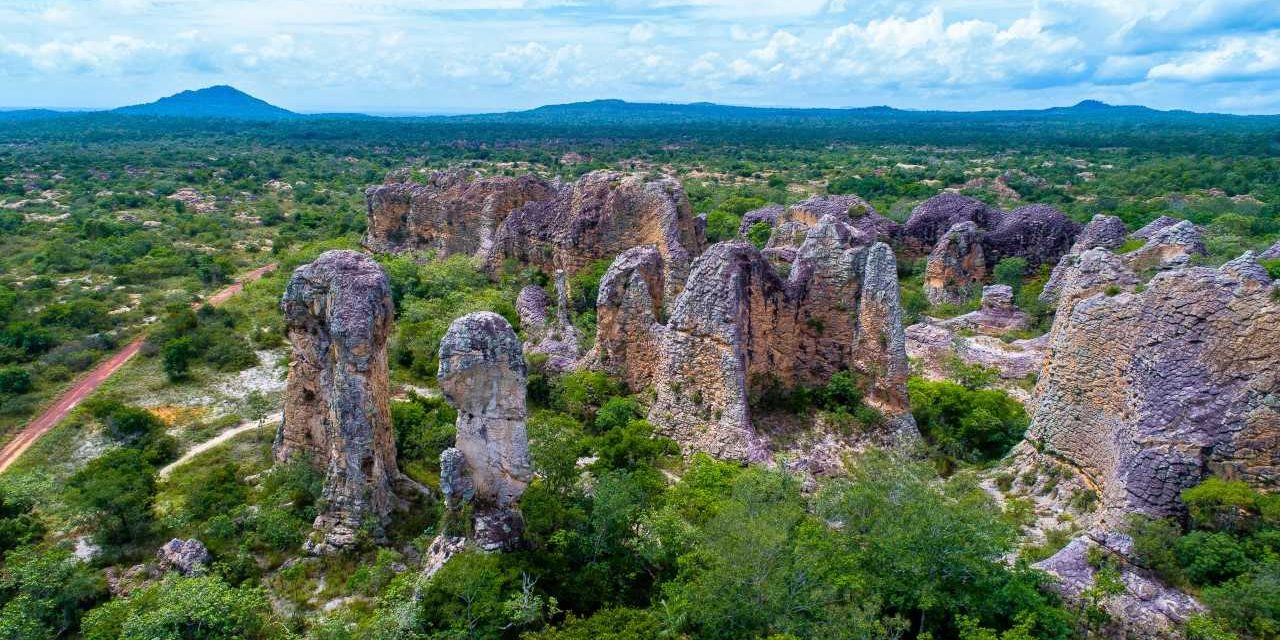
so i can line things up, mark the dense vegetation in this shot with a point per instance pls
(124, 222)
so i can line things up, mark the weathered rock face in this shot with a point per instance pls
(555, 337)
(338, 314)
(1171, 246)
(1151, 228)
(1037, 232)
(450, 212)
(482, 375)
(956, 267)
(767, 214)
(1103, 231)
(549, 225)
(1146, 392)
(628, 317)
(996, 316)
(738, 329)
(935, 216)
(1271, 253)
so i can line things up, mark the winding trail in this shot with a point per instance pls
(85, 387)
(243, 427)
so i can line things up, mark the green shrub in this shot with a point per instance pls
(582, 393)
(1010, 271)
(759, 234)
(964, 424)
(14, 380)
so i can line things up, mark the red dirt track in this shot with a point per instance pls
(84, 387)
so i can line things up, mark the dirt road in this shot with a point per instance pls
(85, 387)
(247, 425)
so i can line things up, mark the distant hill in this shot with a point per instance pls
(219, 101)
(32, 114)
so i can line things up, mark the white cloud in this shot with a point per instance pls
(113, 54)
(1230, 59)
(641, 33)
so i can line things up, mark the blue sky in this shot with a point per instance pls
(466, 56)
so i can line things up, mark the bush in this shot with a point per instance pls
(114, 494)
(196, 607)
(424, 427)
(1010, 271)
(582, 393)
(964, 424)
(759, 234)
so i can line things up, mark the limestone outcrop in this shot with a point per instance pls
(550, 225)
(956, 266)
(1146, 391)
(187, 557)
(482, 375)
(740, 330)
(628, 317)
(338, 314)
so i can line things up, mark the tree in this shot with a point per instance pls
(114, 492)
(43, 591)
(1010, 271)
(195, 608)
(177, 355)
(14, 380)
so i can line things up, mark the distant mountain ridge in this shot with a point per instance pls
(219, 101)
(226, 102)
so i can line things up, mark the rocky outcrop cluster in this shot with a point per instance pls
(975, 338)
(1169, 244)
(555, 337)
(482, 375)
(1039, 233)
(550, 225)
(790, 225)
(1271, 253)
(338, 315)
(1147, 390)
(956, 266)
(740, 330)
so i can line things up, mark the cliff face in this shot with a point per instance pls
(739, 329)
(628, 315)
(546, 224)
(338, 313)
(1148, 391)
(482, 374)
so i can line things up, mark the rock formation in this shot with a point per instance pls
(557, 338)
(975, 338)
(628, 317)
(1103, 231)
(338, 314)
(482, 375)
(1039, 233)
(935, 216)
(545, 224)
(739, 330)
(1146, 392)
(1151, 228)
(956, 266)
(1168, 246)
(791, 224)
(1271, 253)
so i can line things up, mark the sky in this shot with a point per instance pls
(457, 56)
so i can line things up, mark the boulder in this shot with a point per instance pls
(338, 314)
(187, 557)
(1169, 247)
(956, 266)
(548, 225)
(996, 316)
(482, 375)
(1146, 391)
(767, 214)
(739, 330)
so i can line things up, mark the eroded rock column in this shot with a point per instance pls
(482, 374)
(338, 314)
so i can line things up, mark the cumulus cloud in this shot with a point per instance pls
(1231, 59)
(113, 54)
